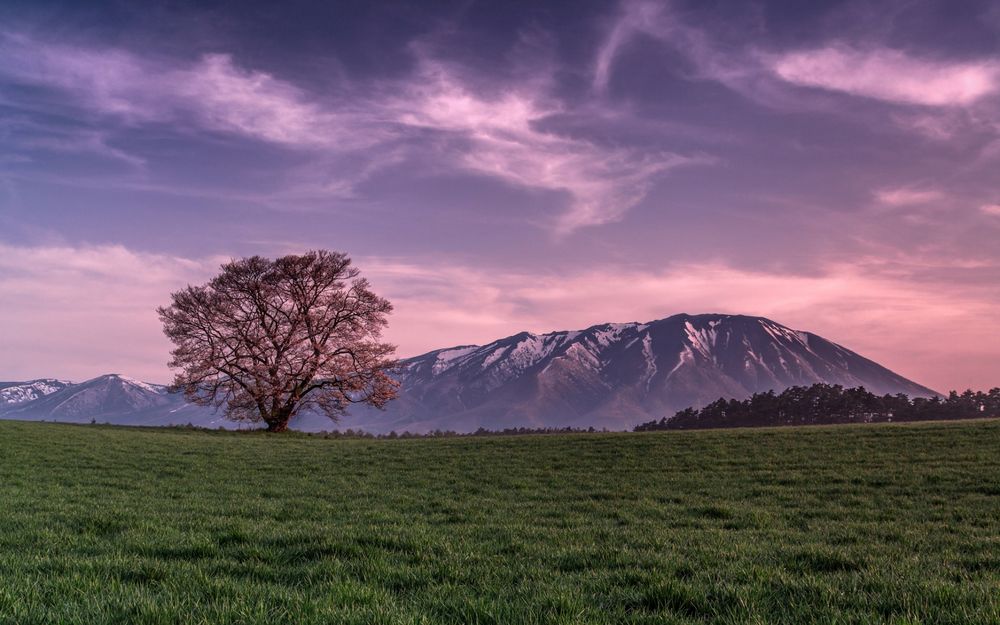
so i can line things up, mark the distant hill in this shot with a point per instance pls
(613, 375)
(19, 392)
(116, 399)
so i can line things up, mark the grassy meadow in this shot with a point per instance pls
(847, 524)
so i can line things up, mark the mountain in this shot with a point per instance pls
(112, 398)
(617, 375)
(613, 375)
(20, 392)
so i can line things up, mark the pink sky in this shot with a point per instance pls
(80, 312)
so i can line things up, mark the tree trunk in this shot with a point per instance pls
(277, 425)
(278, 420)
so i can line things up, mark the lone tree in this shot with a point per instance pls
(268, 338)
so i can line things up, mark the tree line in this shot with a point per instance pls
(826, 403)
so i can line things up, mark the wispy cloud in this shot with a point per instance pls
(657, 19)
(214, 93)
(939, 125)
(888, 74)
(906, 196)
(503, 138)
(635, 16)
(85, 141)
(497, 135)
(256, 104)
(991, 209)
(20, 136)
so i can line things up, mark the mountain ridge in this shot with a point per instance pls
(612, 375)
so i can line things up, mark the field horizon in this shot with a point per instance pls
(875, 523)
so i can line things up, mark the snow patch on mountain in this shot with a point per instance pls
(685, 356)
(447, 358)
(146, 386)
(650, 358)
(494, 355)
(611, 332)
(702, 339)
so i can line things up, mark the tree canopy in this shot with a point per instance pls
(266, 339)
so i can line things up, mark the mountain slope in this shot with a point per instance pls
(616, 375)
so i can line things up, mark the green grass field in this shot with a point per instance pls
(849, 524)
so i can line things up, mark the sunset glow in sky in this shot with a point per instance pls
(495, 167)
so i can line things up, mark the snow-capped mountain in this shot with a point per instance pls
(113, 398)
(616, 375)
(613, 375)
(20, 392)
